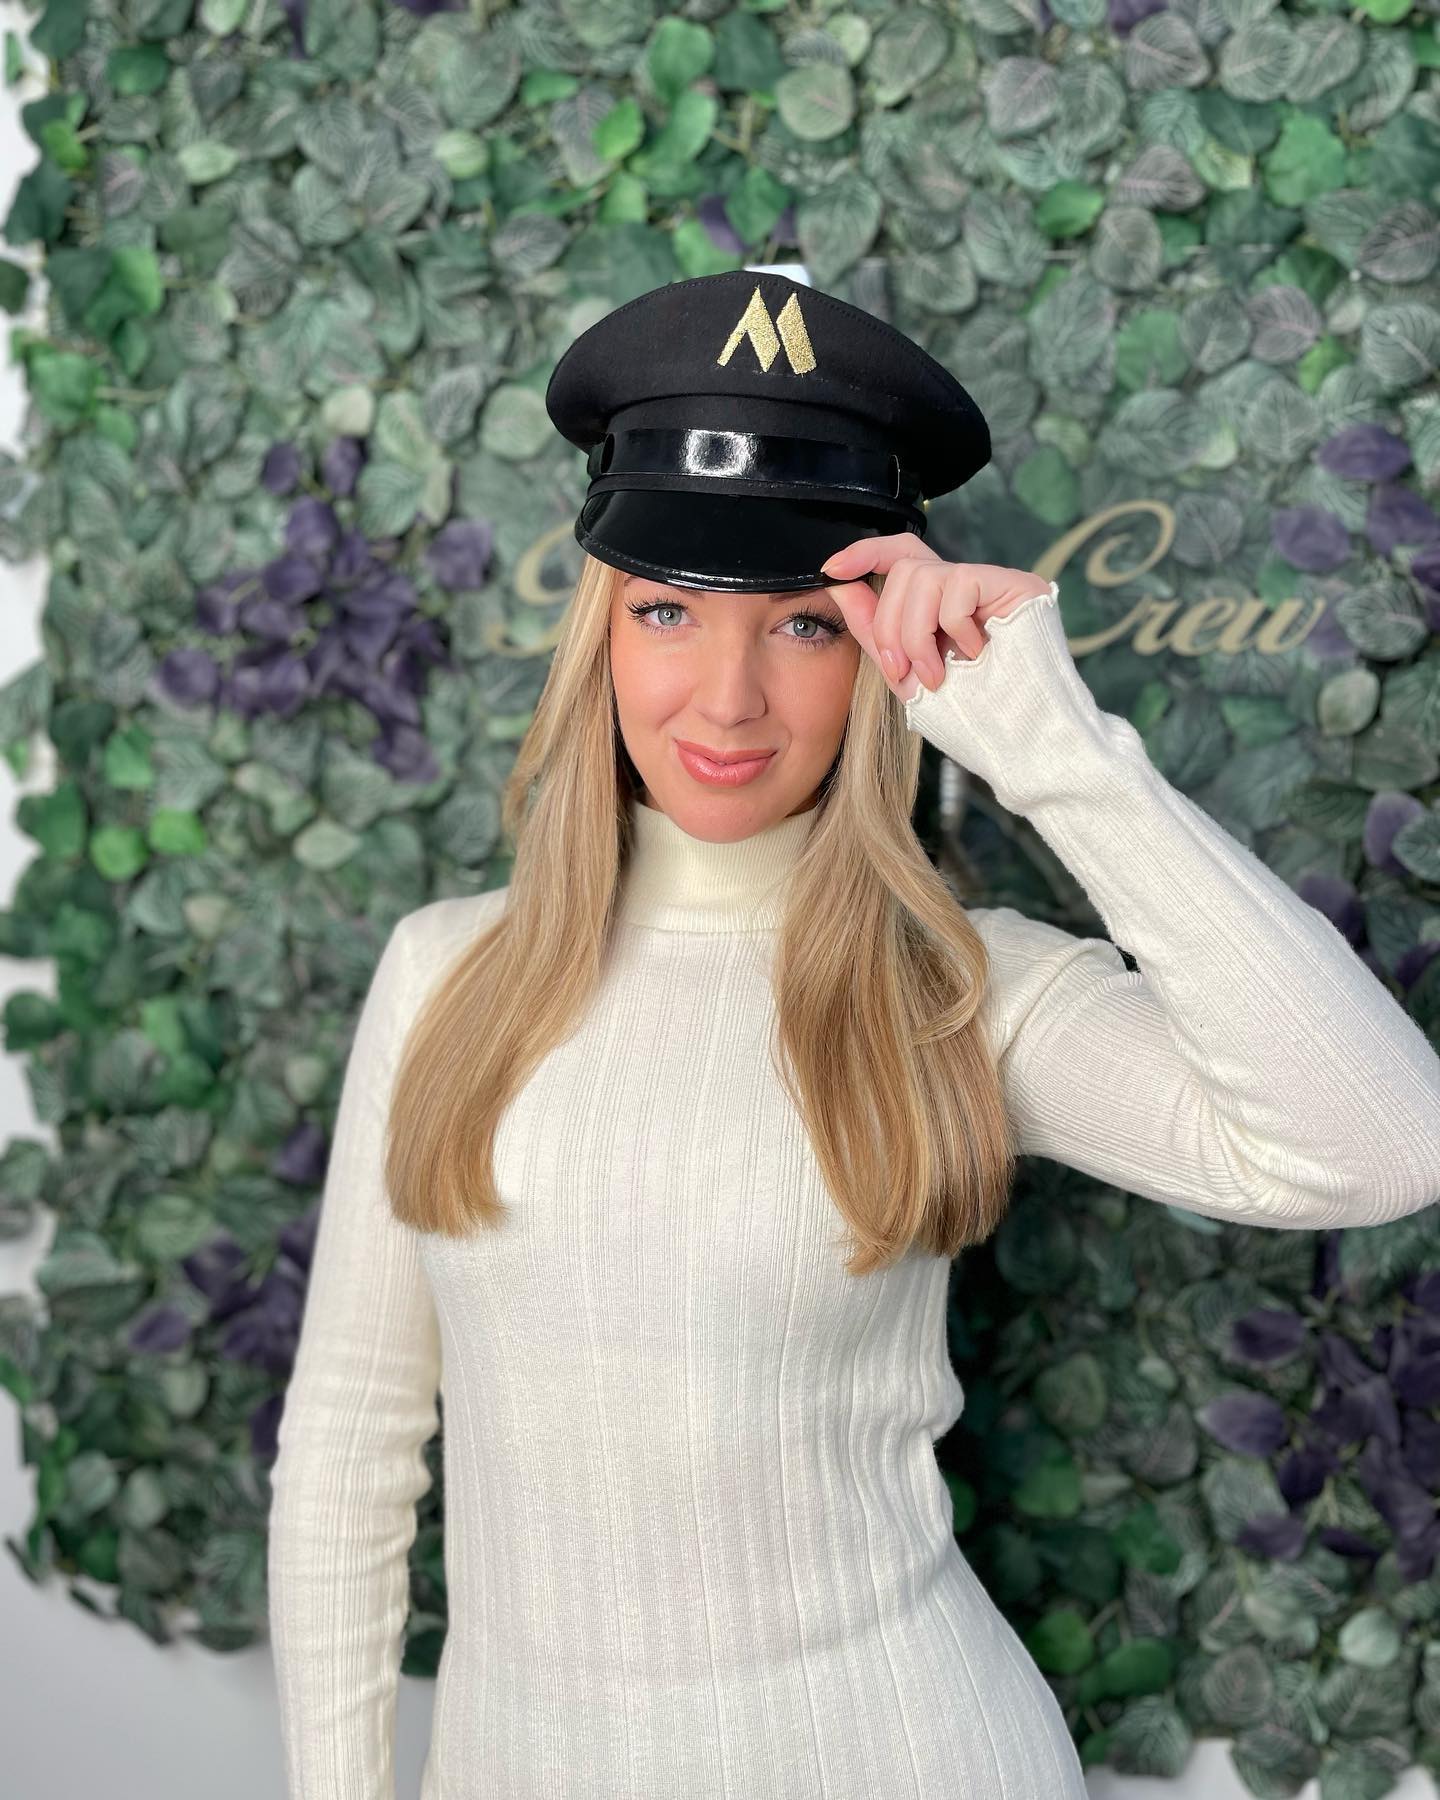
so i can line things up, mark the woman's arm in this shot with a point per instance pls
(359, 1409)
(1252, 1067)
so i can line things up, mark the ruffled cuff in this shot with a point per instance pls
(1019, 715)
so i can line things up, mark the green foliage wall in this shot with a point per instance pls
(308, 268)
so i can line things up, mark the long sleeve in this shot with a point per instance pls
(1252, 1067)
(359, 1409)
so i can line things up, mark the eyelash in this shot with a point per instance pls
(835, 627)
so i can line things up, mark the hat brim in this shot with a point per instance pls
(744, 543)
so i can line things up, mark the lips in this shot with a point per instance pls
(724, 756)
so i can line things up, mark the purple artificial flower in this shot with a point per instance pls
(292, 577)
(340, 464)
(1364, 453)
(162, 1329)
(1337, 899)
(218, 602)
(710, 210)
(1388, 811)
(1302, 1472)
(280, 470)
(1310, 538)
(1397, 515)
(312, 529)
(1279, 1536)
(189, 677)
(1267, 1335)
(266, 681)
(1245, 1421)
(218, 1270)
(458, 556)
(302, 1157)
(297, 1237)
(407, 755)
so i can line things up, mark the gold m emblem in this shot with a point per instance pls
(766, 339)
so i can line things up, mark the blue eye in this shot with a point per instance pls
(833, 629)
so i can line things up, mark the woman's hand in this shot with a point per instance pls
(927, 606)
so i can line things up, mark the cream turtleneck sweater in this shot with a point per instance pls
(697, 1541)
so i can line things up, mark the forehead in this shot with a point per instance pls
(631, 582)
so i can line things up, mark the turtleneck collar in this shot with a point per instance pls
(681, 883)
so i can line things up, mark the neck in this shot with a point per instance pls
(675, 882)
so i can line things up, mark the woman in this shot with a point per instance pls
(654, 1161)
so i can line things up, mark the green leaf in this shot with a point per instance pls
(60, 29)
(1061, 1642)
(620, 131)
(175, 833)
(1143, 1666)
(172, 1225)
(1308, 160)
(679, 51)
(118, 851)
(1049, 1490)
(63, 383)
(817, 102)
(1068, 209)
(138, 69)
(38, 209)
(207, 160)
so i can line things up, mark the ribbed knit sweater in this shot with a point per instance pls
(697, 1540)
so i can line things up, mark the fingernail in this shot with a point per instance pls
(887, 657)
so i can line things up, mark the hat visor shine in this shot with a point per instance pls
(741, 542)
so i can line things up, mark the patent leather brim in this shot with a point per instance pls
(738, 542)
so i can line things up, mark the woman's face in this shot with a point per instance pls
(730, 672)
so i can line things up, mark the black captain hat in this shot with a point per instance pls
(742, 427)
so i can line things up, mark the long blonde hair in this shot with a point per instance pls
(888, 1064)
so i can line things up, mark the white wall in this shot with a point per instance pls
(86, 1709)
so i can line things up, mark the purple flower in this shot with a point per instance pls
(1268, 1335)
(292, 577)
(1426, 569)
(281, 468)
(353, 559)
(218, 602)
(1398, 515)
(1364, 453)
(1337, 899)
(312, 529)
(218, 1270)
(162, 1329)
(1310, 538)
(297, 1237)
(265, 1427)
(710, 210)
(341, 463)
(188, 676)
(1393, 1491)
(1345, 1542)
(301, 1158)
(1280, 1536)
(458, 556)
(407, 755)
(1388, 811)
(1251, 1423)
(266, 681)
(1302, 1472)
(1125, 15)
(1421, 1448)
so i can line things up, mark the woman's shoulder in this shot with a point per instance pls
(440, 928)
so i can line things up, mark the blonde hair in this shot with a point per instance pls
(888, 1064)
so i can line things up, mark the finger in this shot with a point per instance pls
(894, 657)
(959, 603)
(876, 555)
(920, 622)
